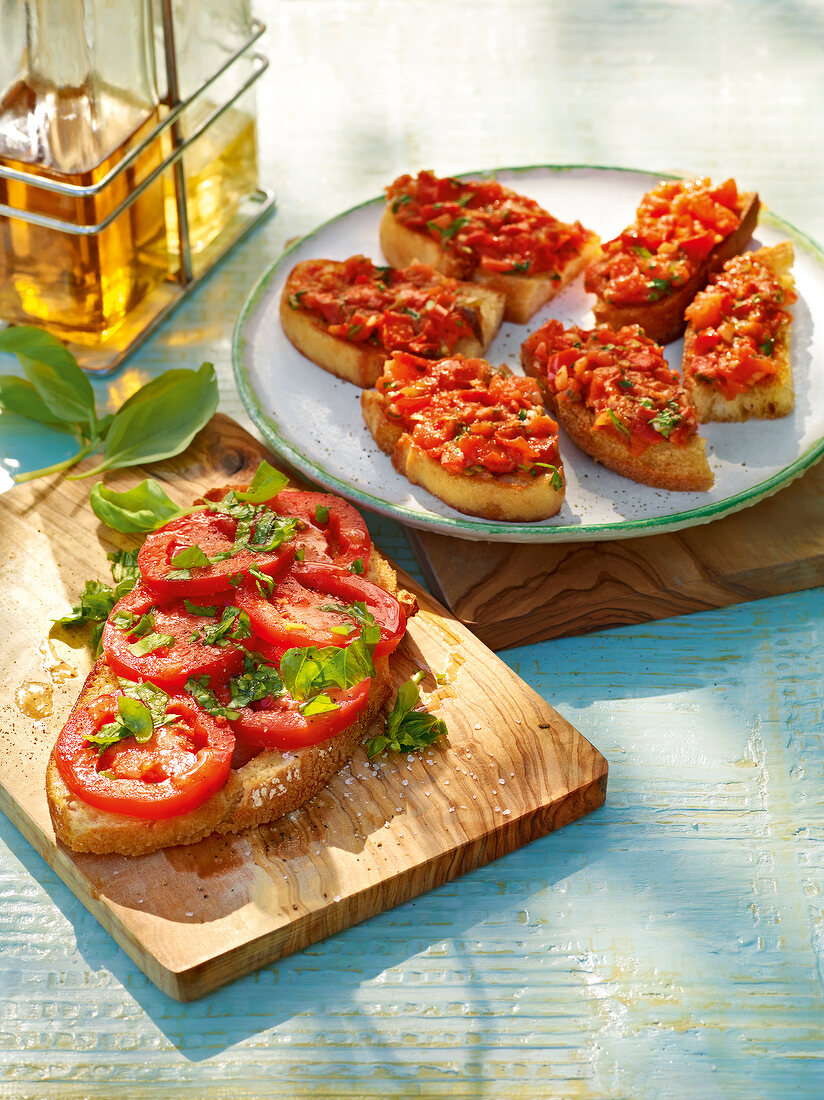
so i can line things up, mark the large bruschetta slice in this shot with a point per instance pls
(481, 231)
(476, 437)
(736, 362)
(236, 677)
(348, 316)
(619, 401)
(683, 231)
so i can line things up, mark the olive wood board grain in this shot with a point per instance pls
(511, 595)
(195, 917)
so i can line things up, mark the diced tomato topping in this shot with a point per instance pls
(677, 225)
(469, 417)
(482, 224)
(411, 309)
(734, 325)
(621, 376)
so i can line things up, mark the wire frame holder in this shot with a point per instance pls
(147, 316)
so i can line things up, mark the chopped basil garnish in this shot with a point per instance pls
(198, 688)
(98, 599)
(660, 289)
(407, 729)
(618, 423)
(134, 719)
(233, 625)
(665, 421)
(149, 643)
(257, 681)
(199, 609)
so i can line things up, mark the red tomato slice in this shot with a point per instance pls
(214, 534)
(341, 539)
(293, 617)
(176, 770)
(169, 665)
(278, 723)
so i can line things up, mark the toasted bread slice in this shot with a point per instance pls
(618, 400)
(271, 784)
(451, 400)
(661, 315)
(376, 310)
(474, 206)
(742, 313)
(262, 785)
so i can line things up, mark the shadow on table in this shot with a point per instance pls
(327, 976)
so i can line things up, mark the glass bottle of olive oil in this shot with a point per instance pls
(69, 114)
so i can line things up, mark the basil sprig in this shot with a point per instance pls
(156, 422)
(98, 599)
(407, 729)
(148, 506)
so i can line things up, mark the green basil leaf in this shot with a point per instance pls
(150, 643)
(406, 700)
(198, 688)
(162, 424)
(53, 371)
(233, 624)
(96, 601)
(407, 730)
(19, 396)
(199, 609)
(125, 572)
(310, 670)
(266, 483)
(152, 696)
(134, 719)
(136, 511)
(190, 558)
(320, 704)
(257, 681)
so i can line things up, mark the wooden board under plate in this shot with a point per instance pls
(515, 595)
(512, 770)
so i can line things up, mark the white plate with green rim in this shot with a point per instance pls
(314, 420)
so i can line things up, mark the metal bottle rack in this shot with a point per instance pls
(110, 353)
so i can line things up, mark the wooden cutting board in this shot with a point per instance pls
(196, 917)
(515, 594)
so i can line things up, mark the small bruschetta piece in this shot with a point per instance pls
(736, 363)
(481, 231)
(617, 398)
(684, 230)
(348, 316)
(477, 437)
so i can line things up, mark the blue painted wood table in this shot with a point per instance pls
(670, 944)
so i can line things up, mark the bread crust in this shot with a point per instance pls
(663, 321)
(271, 784)
(767, 399)
(524, 294)
(362, 363)
(511, 498)
(681, 468)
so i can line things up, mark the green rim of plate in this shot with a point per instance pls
(479, 528)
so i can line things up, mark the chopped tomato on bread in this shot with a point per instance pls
(620, 402)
